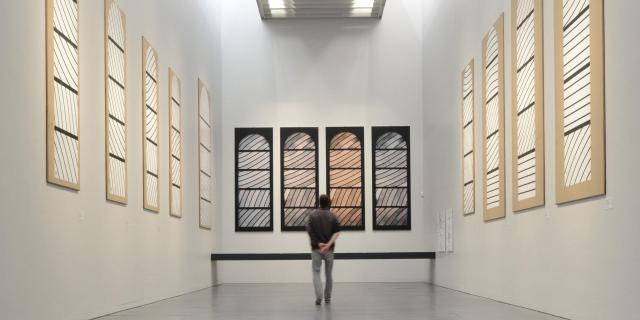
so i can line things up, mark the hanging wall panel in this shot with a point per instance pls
(468, 145)
(63, 88)
(299, 176)
(527, 115)
(580, 150)
(254, 179)
(391, 178)
(175, 145)
(205, 147)
(115, 43)
(345, 175)
(493, 129)
(150, 124)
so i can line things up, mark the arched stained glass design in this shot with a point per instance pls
(391, 178)
(345, 175)
(299, 170)
(254, 179)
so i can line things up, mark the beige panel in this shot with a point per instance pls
(149, 189)
(52, 177)
(204, 118)
(470, 66)
(175, 210)
(597, 184)
(108, 5)
(499, 211)
(539, 198)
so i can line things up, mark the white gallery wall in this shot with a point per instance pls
(73, 255)
(578, 260)
(321, 73)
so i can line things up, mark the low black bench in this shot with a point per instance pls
(338, 256)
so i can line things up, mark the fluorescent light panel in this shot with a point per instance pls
(272, 9)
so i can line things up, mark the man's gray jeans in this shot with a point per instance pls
(316, 264)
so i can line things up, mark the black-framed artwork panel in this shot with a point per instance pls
(298, 176)
(254, 179)
(345, 175)
(391, 178)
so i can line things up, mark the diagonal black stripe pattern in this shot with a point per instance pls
(391, 180)
(253, 181)
(577, 91)
(151, 128)
(116, 105)
(65, 107)
(300, 175)
(467, 140)
(345, 175)
(175, 145)
(526, 134)
(493, 120)
(205, 147)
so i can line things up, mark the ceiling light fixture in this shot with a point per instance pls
(276, 4)
(362, 8)
(278, 9)
(363, 4)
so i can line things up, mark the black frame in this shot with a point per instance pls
(240, 134)
(285, 133)
(331, 132)
(376, 133)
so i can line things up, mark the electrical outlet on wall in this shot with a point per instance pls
(608, 203)
(81, 215)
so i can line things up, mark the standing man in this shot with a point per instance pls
(323, 231)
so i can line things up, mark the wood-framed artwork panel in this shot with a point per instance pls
(580, 132)
(527, 98)
(298, 176)
(63, 93)
(468, 140)
(115, 43)
(205, 147)
(254, 179)
(391, 178)
(493, 118)
(345, 175)
(150, 123)
(175, 145)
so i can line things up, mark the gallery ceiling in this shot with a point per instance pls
(304, 9)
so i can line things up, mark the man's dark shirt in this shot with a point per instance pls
(321, 227)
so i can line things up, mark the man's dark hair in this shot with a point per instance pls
(324, 201)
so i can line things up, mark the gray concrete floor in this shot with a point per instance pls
(351, 301)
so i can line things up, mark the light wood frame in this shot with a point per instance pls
(112, 197)
(539, 198)
(201, 86)
(172, 74)
(50, 105)
(146, 47)
(498, 212)
(597, 185)
(470, 66)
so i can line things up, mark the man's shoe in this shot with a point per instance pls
(318, 302)
(327, 300)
